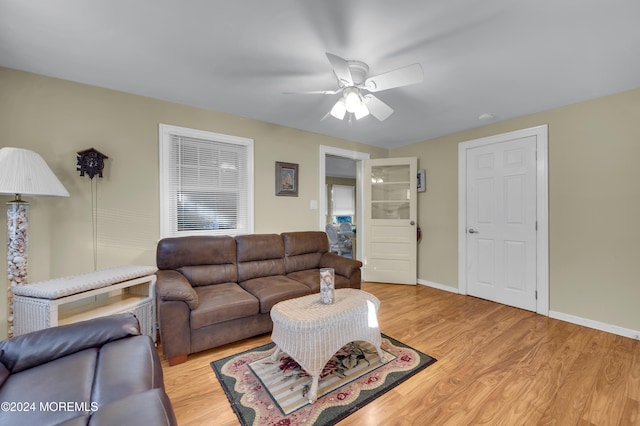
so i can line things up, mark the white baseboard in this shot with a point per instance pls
(620, 331)
(614, 329)
(439, 286)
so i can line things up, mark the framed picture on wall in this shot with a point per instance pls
(286, 179)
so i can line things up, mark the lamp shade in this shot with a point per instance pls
(352, 100)
(339, 110)
(25, 172)
(361, 111)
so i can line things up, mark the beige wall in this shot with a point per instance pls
(594, 206)
(57, 118)
(594, 186)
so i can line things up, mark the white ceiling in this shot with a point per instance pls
(504, 57)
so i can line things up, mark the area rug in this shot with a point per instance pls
(266, 392)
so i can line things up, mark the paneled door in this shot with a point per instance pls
(501, 222)
(390, 220)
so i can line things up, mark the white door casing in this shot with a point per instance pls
(322, 191)
(390, 217)
(503, 219)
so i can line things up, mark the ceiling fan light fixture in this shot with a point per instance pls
(352, 100)
(354, 82)
(339, 109)
(362, 111)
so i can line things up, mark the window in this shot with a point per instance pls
(343, 203)
(206, 183)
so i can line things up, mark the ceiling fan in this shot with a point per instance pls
(355, 87)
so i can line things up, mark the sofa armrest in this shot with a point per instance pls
(171, 285)
(39, 347)
(342, 265)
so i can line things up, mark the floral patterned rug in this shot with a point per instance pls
(266, 392)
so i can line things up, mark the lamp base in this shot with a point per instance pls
(17, 240)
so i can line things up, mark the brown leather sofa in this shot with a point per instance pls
(96, 372)
(213, 290)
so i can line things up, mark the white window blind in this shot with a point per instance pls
(343, 200)
(206, 183)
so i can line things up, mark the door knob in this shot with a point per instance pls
(412, 223)
(473, 231)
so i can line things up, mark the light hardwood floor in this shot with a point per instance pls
(497, 365)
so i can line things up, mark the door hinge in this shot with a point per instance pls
(536, 225)
(536, 294)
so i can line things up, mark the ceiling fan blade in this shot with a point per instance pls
(377, 108)
(314, 92)
(410, 74)
(341, 69)
(328, 114)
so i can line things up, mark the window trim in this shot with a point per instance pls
(164, 138)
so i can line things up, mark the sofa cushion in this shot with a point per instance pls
(259, 255)
(302, 262)
(4, 373)
(222, 302)
(303, 250)
(210, 274)
(175, 253)
(126, 367)
(311, 278)
(151, 407)
(67, 379)
(81, 420)
(274, 289)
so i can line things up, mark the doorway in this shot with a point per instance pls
(503, 218)
(356, 160)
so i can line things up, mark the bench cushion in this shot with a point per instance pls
(61, 287)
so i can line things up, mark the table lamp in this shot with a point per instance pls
(22, 172)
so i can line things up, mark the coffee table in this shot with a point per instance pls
(311, 332)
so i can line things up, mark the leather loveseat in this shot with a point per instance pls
(213, 290)
(96, 372)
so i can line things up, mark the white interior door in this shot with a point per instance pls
(501, 222)
(390, 220)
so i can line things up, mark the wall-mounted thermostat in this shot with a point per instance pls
(422, 180)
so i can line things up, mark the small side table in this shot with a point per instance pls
(81, 297)
(311, 332)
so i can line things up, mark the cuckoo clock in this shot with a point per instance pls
(91, 162)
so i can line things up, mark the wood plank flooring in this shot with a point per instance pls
(497, 365)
